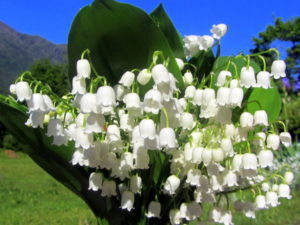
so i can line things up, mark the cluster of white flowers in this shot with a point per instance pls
(209, 156)
(194, 43)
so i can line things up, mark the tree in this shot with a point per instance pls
(288, 31)
(55, 75)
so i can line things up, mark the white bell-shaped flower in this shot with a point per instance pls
(36, 119)
(127, 79)
(273, 141)
(187, 121)
(180, 63)
(259, 139)
(88, 103)
(160, 74)
(60, 140)
(249, 161)
(23, 91)
(135, 184)
(226, 145)
(189, 91)
(206, 42)
(12, 89)
(215, 215)
(109, 188)
(206, 156)
(261, 118)
(78, 85)
(37, 103)
(265, 187)
(127, 200)
(132, 101)
(272, 199)
(246, 120)
(188, 78)
(147, 129)
(83, 139)
(152, 101)
(248, 77)
(210, 110)
(83, 68)
(234, 83)
(218, 155)
(106, 96)
(48, 103)
(236, 97)
(95, 181)
(154, 209)
(222, 77)
(286, 139)
(230, 131)
(237, 162)
(197, 155)
(95, 123)
(55, 128)
(275, 187)
(197, 98)
(171, 185)
(208, 95)
(144, 76)
(223, 95)
(175, 216)
(126, 122)
(219, 30)
(260, 202)
(289, 177)
(278, 69)
(113, 133)
(265, 158)
(263, 80)
(193, 177)
(167, 138)
(230, 179)
(284, 191)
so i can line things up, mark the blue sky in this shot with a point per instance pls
(52, 19)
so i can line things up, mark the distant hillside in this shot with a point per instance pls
(19, 51)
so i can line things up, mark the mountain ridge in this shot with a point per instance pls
(18, 51)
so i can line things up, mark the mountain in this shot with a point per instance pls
(18, 51)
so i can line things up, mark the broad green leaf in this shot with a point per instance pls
(269, 99)
(120, 37)
(204, 62)
(164, 23)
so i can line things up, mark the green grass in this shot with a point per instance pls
(28, 195)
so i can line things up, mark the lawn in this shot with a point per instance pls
(30, 196)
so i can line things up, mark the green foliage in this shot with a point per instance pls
(164, 23)
(55, 75)
(288, 31)
(11, 143)
(293, 115)
(120, 37)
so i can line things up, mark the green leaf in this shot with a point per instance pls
(120, 37)
(164, 23)
(204, 62)
(269, 99)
